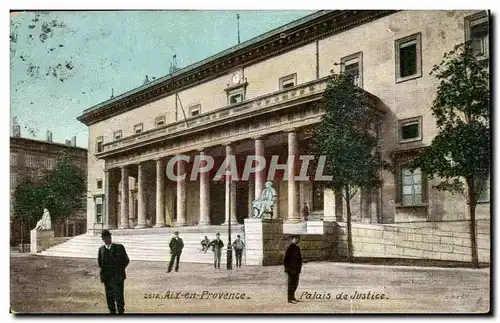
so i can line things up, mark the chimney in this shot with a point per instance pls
(49, 136)
(16, 129)
(73, 141)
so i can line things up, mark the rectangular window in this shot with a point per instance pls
(117, 135)
(411, 186)
(194, 110)
(159, 121)
(98, 209)
(408, 58)
(99, 141)
(410, 129)
(288, 81)
(138, 128)
(477, 32)
(236, 98)
(99, 184)
(30, 161)
(51, 163)
(352, 66)
(13, 159)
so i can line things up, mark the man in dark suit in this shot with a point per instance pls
(293, 266)
(176, 246)
(217, 246)
(113, 260)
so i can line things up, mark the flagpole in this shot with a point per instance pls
(238, 23)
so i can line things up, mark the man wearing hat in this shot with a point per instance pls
(293, 266)
(176, 245)
(217, 246)
(113, 260)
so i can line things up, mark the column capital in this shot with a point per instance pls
(228, 143)
(202, 150)
(291, 130)
(259, 137)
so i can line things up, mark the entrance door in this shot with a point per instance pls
(217, 202)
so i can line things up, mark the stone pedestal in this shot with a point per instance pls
(265, 243)
(41, 240)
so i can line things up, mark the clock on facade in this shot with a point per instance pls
(236, 78)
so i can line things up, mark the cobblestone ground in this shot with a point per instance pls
(70, 285)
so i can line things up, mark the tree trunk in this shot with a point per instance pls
(472, 224)
(348, 221)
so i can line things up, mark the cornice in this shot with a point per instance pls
(320, 27)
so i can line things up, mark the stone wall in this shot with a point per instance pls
(446, 242)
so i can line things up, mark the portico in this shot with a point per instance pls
(272, 125)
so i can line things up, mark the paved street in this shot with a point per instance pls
(54, 285)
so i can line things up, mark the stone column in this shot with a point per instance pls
(204, 195)
(160, 194)
(293, 191)
(232, 192)
(141, 202)
(259, 176)
(107, 195)
(124, 199)
(181, 194)
(131, 205)
(251, 198)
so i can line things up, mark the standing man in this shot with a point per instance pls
(217, 246)
(176, 246)
(113, 259)
(293, 266)
(238, 246)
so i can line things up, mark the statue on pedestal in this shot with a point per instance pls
(44, 223)
(264, 204)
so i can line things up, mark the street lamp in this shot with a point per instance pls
(229, 262)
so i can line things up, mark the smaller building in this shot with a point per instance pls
(29, 157)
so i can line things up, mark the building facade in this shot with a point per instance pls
(259, 98)
(33, 158)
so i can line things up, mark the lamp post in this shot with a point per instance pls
(229, 262)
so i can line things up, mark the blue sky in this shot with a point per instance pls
(65, 62)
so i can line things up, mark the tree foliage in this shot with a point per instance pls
(462, 148)
(347, 136)
(59, 190)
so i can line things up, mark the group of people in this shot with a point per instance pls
(113, 259)
(217, 244)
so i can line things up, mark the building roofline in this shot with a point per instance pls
(214, 57)
(331, 21)
(14, 139)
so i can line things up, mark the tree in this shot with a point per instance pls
(59, 190)
(66, 186)
(346, 135)
(460, 153)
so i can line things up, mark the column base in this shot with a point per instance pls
(203, 224)
(293, 220)
(140, 226)
(160, 225)
(180, 224)
(124, 227)
(232, 223)
(109, 227)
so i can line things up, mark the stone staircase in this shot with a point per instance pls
(149, 244)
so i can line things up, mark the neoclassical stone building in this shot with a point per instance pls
(259, 98)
